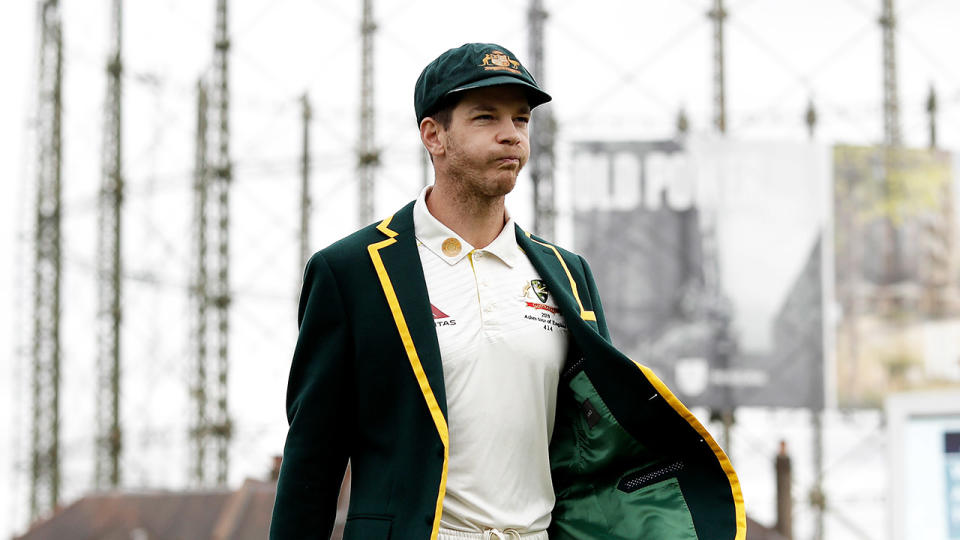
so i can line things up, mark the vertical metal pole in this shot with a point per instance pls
(722, 353)
(109, 315)
(45, 431)
(891, 100)
(810, 118)
(932, 116)
(305, 202)
(718, 14)
(683, 123)
(199, 291)
(782, 468)
(817, 497)
(368, 157)
(222, 178)
(891, 139)
(544, 133)
(721, 318)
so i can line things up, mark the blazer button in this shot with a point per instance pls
(440, 451)
(429, 520)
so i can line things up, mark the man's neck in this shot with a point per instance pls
(478, 220)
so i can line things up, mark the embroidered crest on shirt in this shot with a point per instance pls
(540, 289)
(544, 314)
(536, 289)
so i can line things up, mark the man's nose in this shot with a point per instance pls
(509, 133)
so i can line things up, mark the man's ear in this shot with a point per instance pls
(432, 137)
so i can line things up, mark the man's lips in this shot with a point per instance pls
(509, 160)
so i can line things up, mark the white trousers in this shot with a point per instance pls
(491, 534)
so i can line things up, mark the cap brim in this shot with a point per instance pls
(535, 96)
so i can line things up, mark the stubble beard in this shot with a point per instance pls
(478, 181)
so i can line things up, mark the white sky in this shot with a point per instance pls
(616, 69)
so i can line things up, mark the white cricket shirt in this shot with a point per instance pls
(503, 343)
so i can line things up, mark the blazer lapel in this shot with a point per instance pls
(397, 261)
(551, 267)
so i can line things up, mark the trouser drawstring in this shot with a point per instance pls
(489, 534)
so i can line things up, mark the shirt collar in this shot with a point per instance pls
(432, 234)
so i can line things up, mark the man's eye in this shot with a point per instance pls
(523, 120)
(484, 117)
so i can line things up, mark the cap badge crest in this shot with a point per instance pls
(499, 61)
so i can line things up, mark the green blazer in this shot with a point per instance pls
(366, 384)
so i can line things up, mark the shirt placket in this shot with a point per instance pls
(485, 291)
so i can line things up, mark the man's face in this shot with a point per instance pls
(487, 142)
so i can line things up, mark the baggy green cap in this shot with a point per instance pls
(473, 65)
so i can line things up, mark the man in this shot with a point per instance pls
(464, 367)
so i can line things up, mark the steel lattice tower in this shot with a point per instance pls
(305, 202)
(891, 140)
(219, 291)
(544, 133)
(109, 267)
(212, 429)
(198, 390)
(891, 100)
(45, 377)
(368, 157)
(718, 14)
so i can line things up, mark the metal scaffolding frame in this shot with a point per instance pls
(305, 201)
(45, 475)
(109, 437)
(213, 428)
(544, 133)
(368, 156)
(718, 14)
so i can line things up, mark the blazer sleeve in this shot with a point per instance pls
(595, 300)
(318, 411)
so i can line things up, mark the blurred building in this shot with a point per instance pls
(896, 231)
(650, 262)
(243, 514)
(709, 258)
(223, 514)
(897, 272)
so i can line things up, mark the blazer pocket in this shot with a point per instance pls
(654, 510)
(367, 527)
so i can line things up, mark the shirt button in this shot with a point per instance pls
(489, 308)
(477, 254)
(451, 247)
